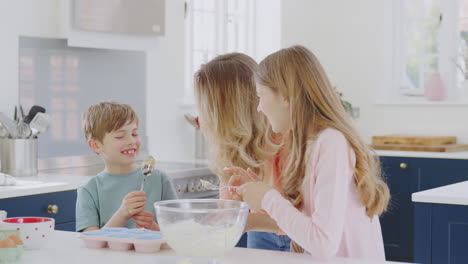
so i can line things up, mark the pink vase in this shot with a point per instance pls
(435, 89)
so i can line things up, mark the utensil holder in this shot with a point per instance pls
(19, 156)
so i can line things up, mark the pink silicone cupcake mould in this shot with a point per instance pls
(119, 238)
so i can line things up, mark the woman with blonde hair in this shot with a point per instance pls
(237, 134)
(332, 183)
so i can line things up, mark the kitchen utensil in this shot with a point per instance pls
(21, 111)
(9, 125)
(3, 132)
(192, 120)
(32, 113)
(15, 114)
(19, 156)
(39, 124)
(147, 168)
(210, 186)
(201, 227)
(24, 131)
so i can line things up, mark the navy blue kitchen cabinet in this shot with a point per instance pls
(441, 233)
(406, 176)
(58, 205)
(397, 221)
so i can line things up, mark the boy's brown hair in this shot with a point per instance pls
(105, 117)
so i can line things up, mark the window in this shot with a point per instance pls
(425, 43)
(215, 27)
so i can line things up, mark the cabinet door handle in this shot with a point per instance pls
(52, 209)
(403, 166)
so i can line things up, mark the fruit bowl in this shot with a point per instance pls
(34, 231)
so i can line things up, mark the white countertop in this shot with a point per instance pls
(422, 154)
(66, 247)
(43, 183)
(450, 194)
(58, 180)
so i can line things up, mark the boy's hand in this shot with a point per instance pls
(133, 203)
(144, 219)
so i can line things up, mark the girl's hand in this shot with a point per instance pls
(243, 175)
(145, 219)
(239, 177)
(253, 193)
(133, 203)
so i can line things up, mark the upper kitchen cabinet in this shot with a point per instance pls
(30, 18)
(111, 24)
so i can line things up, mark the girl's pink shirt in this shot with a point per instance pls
(332, 222)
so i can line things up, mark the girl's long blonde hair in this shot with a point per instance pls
(237, 134)
(297, 75)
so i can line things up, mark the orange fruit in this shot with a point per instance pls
(16, 239)
(7, 243)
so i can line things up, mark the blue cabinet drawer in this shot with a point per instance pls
(70, 226)
(441, 233)
(37, 205)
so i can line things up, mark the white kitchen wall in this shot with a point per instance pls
(348, 37)
(170, 137)
(27, 18)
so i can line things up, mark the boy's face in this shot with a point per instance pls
(119, 147)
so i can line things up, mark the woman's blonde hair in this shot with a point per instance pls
(297, 75)
(237, 134)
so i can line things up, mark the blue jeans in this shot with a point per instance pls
(269, 241)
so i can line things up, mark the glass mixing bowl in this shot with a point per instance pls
(201, 227)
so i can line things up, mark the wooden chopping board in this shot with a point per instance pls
(414, 140)
(433, 148)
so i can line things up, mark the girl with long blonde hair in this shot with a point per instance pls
(333, 192)
(237, 134)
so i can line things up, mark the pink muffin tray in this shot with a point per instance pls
(120, 238)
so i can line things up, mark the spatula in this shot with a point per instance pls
(33, 112)
(39, 124)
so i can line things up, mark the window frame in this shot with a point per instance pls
(221, 38)
(391, 92)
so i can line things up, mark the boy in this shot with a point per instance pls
(112, 198)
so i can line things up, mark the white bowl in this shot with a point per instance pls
(34, 231)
